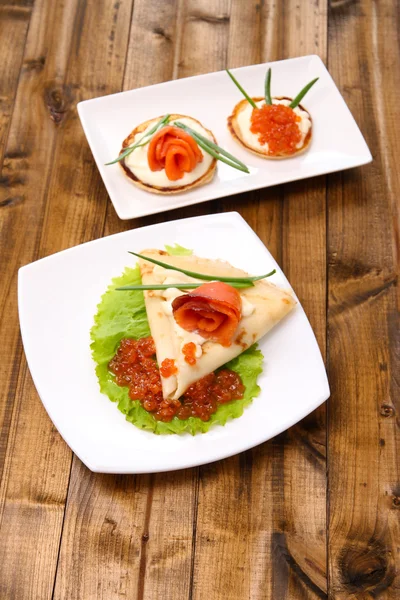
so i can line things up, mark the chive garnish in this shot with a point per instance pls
(179, 286)
(301, 94)
(213, 149)
(235, 81)
(141, 142)
(268, 99)
(201, 276)
(218, 156)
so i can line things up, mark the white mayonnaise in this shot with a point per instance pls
(184, 336)
(247, 307)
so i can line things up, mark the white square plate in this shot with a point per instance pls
(57, 299)
(337, 141)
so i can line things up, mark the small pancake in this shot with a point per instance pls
(234, 129)
(208, 175)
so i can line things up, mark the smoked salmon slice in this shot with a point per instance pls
(175, 151)
(213, 310)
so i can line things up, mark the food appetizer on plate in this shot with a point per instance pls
(172, 154)
(273, 128)
(175, 339)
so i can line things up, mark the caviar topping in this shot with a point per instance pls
(135, 367)
(189, 352)
(277, 126)
(168, 367)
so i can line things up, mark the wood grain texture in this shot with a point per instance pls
(304, 262)
(204, 36)
(252, 527)
(271, 527)
(153, 43)
(76, 205)
(147, 552)
(231, 547)
(14, 23)
(363, 329)
(36, 460)
(25, 170)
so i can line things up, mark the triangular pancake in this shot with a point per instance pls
(270, 304)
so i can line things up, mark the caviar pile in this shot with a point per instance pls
(203, 397)
(277, 126)
(134, 366)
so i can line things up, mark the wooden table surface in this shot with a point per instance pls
(313, 513)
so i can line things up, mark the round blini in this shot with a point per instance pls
(205, 178)
(234, 129)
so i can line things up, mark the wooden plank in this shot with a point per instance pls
(153, 43)
(14, 23)
(363, 334)
(111, 548)
(272, 545)
(204, 37)
(76, 208)
(36, 460)
(152, 558)
(28, 158)
(304, 262)
(102, 535)
(32, 496)
(26, 165)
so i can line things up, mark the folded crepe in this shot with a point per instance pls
(263, 306)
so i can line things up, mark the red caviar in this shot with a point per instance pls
(277, 126)
(203, 397)
(189, 352)
(168, 367)
(134, 366)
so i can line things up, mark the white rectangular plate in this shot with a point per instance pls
(57, 299)
(337, 141)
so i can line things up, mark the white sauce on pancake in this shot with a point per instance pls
(251, 139)
(247, 307)
(137, 161)
(185, 337)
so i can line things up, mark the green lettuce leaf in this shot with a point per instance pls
(122, 314)
(119, 314)
(177, 250)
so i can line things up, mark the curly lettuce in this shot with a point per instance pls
(123, 314)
